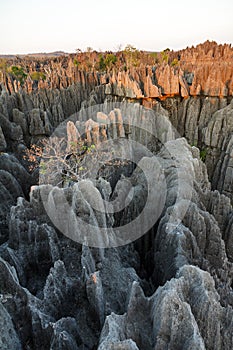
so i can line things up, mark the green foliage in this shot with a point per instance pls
(175, 62)
(203, 154)
(110, 60)
(19, 74)
(37, 76)
(203, 151)
(164, 56)
(132, 56)
(76, 62)
(88, 149)
(43, 168)
(77, 146)
(101, 65)
(194, 144)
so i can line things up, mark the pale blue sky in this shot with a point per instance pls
(47, 25)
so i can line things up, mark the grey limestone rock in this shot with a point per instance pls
(8, 338)
(39, 123)
(172, 288)
(3, 144)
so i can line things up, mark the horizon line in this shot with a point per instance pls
(67, 52)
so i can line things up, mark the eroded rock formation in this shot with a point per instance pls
(203, 70)
(171, 288)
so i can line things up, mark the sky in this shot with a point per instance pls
(31, 26)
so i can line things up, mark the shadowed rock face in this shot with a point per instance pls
(205, 122)
(169, 289)
(76, 296)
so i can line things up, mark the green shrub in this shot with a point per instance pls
(19, 74)
(132, 56)
(37, 76)
(175, 62)
(203, 154)
(101, 65)
(76, 62)
(164, 56)
(106, 63)
(110, 60)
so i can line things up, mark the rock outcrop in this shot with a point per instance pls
(205, 70)
(139, 255)
(78, 297)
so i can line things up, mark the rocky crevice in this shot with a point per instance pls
(78, 297)
(171, 288)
